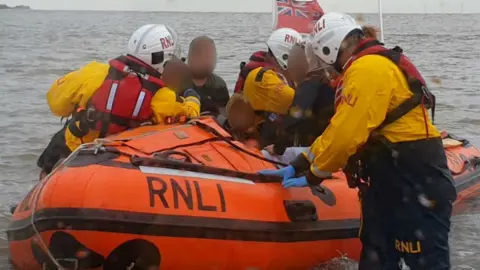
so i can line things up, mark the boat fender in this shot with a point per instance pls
(65, 248)
(324, 194)
(298, 211)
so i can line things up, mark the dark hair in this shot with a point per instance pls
(352, 39)
(370, 31)
(356, 35)
(199, 40)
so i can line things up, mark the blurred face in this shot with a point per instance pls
(297, 64)
(346, 51)
(176, 75)
(240, 114)
(202, 59)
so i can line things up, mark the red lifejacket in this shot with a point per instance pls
(421, 94)
(258, 59)
(122, 101)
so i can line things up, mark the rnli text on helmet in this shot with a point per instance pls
(167, 42)
(290, 39)
(319, 26)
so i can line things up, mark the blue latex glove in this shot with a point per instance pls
(295, 182)
(285, 172)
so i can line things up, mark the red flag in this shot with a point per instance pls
(298, 15)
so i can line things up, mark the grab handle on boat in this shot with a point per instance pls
(167, 155)
(324, 194)
(298, 211)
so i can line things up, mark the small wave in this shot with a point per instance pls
(14, 70)
(469, 120)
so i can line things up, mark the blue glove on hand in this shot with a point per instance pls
(295, 182)
(288, 175)
(285, 172)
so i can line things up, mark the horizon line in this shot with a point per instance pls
(231, 12)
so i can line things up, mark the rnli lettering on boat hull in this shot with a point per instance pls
(183, 193)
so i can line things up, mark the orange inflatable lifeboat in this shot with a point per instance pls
(187, 196)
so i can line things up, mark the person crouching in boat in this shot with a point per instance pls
(313, 104)
(389, 146)
(104, 99)
(202, 59)
(263, 88)
(274, 60)
(172, 103)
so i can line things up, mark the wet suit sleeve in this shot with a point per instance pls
(214, 95)
(310, 95)
(222, 95)
(365, 101)
(75, 88)
(166, 103)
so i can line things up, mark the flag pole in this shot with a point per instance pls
(381, 19)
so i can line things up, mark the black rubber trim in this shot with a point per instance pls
(181, 226)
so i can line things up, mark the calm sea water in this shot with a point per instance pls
(38, 46)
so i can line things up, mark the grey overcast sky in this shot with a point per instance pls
(360, 6)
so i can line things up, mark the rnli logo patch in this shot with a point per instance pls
(348, 99)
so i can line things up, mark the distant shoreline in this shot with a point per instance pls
(3, 6)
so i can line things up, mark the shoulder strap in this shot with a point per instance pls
(147, 79)
(138, 66)
(419, 90)
(260, 74)
(367, 44)
(256, 58)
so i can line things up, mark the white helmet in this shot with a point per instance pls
(329, 33)
(281, 42)
(154, 44)
(314, 63)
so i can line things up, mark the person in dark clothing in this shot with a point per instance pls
(202, 59)
(307, 117)
(312, 106)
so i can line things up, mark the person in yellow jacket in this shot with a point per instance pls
(391, 151)
(129, 91)
(264, 88)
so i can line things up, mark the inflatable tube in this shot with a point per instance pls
(188, 197)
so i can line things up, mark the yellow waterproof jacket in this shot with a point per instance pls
(167, 103)
(373, 85)
(266, 91)
(76, 88)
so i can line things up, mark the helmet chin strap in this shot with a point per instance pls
(340, 69)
